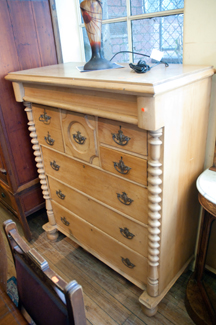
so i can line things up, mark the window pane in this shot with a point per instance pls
(114, 8)
(161, 33)
(115, 39)
(139, 7)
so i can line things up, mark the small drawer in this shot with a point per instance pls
(48, 127)
(7, 198)
(80, 135)
(104, 247)
(46, 116)
(125, 165)
(123, 136)
(122, 229)
(118, 193)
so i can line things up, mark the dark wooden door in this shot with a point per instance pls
(26, 41)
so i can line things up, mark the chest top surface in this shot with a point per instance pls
(159, 79)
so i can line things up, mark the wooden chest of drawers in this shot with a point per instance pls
(118, 155)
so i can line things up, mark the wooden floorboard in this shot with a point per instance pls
(109, 298)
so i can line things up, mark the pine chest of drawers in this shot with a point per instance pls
(118, 155)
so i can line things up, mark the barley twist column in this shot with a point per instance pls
(154, 210)
(50, 227)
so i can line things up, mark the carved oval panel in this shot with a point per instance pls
(80, 136)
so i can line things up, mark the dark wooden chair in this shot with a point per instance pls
(3, 264)
(9, 313)
(43, 294)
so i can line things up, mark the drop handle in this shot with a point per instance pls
(126, 233)
(124, 199)
(54, 165)
(79, 138)
(127, 263)
(46, 119)
(64, 221)
(121, 167)
(49, 140)
(60, 195)
(120, 138)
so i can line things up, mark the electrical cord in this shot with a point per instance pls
(141, 66)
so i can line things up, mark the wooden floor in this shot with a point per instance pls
(109, 298)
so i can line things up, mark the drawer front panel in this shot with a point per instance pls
(101, 245)
(122, 136)
(122, 229)
(48, 128)
(46, 116)
(120, 194)
(7, 198)
(127, 166)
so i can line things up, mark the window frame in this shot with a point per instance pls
(129, 18)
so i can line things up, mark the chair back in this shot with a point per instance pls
(3, 264)
(44, 295)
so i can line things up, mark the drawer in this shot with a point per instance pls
(48, 127)
(107, 249)
(123, 136)
(122, 164)
(7, 198)
(118, 193)
(80, 135)
(117, 226)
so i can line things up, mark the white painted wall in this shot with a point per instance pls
(199, 47)
(69, 30)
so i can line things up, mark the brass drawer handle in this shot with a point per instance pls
(120, 138)
(49, 140)
(126, 233)
(64, 221)
(121, 167)
(54, 165)
(78, 138)
(127, 263)
(45, 118)
(124, 199)
(60, 195)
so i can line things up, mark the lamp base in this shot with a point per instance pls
(98, 64)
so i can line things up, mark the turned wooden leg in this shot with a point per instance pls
(50, 227)
(52, 235)
(52, 232)
(149, 312)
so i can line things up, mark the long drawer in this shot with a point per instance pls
(121, 258)
(122, 229)
(122, 195)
